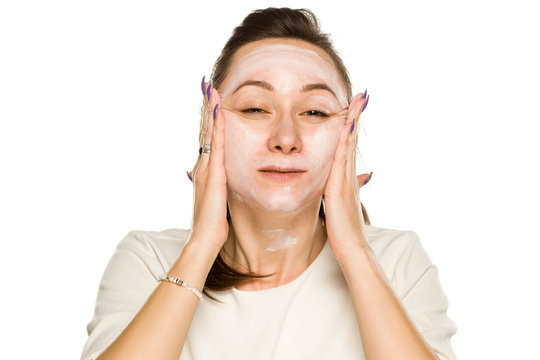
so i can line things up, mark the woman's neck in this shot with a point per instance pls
(265, 242)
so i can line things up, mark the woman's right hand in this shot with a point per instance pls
(209, 225)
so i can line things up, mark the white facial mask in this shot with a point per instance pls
(255, 141)
(270, 61)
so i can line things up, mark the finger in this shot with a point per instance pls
(206, 87)
(210, 115)
(202, 124)
(214, 102)
(360, 112)
(351, 113)
(217, 156)
(203, 85)
(345, 147)
(354, 112)
(340, 155)
(363, 179)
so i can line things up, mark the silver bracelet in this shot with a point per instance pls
(181, 283)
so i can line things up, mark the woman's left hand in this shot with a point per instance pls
(344, 220)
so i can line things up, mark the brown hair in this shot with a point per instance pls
(300, 24)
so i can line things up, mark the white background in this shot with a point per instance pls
(99, 106)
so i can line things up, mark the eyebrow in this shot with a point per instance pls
(267, 86)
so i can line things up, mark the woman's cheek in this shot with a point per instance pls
(234, 135)
(323, 144)
(240, 149)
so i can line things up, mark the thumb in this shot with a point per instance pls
(364, 179)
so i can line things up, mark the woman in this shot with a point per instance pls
(280, 244)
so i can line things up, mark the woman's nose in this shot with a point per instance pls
(285, 137)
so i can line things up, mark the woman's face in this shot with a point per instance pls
(285, 106)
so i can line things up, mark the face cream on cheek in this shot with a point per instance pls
(322, 145)
(240, 146)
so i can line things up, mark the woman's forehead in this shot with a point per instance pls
(299, 60)
(293, 45)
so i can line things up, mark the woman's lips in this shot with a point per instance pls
(281, 174)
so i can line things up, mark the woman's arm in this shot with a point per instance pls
(386, 331)
(385, 328)
(159, 329)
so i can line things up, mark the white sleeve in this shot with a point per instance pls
(424, 299)
(129, 279)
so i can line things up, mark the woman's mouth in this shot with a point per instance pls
(281, 174)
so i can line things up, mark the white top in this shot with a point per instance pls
(311, 317)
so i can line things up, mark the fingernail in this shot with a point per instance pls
(208, 91)
(364, 94)
(369, 178)
(365, 104)
(215, 111)
(202, 84)
(352, 127)
(189, 176)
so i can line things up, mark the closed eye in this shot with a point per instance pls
(253, 110)
(316, 113)
(309, 112)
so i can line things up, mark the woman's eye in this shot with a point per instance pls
(316, 113)
(311, 113)
(253, 110)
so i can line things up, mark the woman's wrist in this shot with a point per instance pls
(194, 263)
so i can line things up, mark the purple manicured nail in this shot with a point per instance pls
(352, 128)
(215, 111)
(208, 91)
(202, 85)
(369, 178)
(364, 94)
(365, 104)
(189, 177)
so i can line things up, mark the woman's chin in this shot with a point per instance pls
(281, 204)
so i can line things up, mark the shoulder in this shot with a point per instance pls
(390, 242)
(164, 245)
(143, 253)
(149, 239)
(140, 257)
(128, 280)
(415, 281)
(400, 253)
